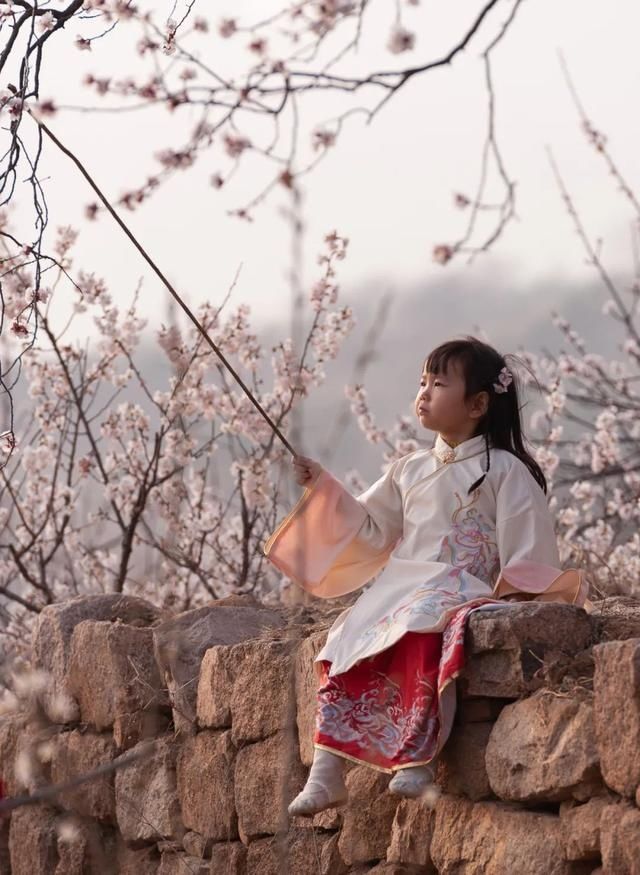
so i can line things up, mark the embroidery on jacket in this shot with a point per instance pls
(428, 600)
(471, 545)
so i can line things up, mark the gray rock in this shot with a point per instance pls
(507, 647)
(543, 749)
(147, 806)
(616, 687)
(52, 640)
(181, 642)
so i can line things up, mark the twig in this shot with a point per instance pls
(44, 794)
(166, 282)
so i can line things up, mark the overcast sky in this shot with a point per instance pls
(387, 186)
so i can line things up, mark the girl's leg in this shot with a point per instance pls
(325, 787)
(414, 782)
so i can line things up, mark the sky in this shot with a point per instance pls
(387, 186)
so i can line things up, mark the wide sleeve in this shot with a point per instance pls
(527, 545)
(332, 542)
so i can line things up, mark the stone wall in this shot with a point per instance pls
(541, 773)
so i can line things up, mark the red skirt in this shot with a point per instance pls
(395, 708)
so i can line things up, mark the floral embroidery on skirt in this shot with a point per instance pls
(386, 710)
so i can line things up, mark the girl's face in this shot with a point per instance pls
(440, 404)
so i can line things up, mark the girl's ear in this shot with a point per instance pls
(480, 404)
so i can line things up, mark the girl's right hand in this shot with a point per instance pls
(305, 470)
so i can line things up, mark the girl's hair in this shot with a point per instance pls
(481, 364)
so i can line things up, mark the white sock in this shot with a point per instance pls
(417, 782)
(414, 778)
(326, 770)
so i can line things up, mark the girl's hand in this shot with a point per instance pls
(305, 470)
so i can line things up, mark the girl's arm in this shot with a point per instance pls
(333, 543)
(528, 547)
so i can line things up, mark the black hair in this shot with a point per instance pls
(481, 365)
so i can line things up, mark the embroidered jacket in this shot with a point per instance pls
(436, 546)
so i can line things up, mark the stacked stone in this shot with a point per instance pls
(541, 773)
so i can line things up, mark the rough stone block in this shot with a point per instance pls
(368, 818)
(5, 859)
(582, 828)
(33, 829)
(11, 728)
(314, 852)
(24, 755)
(330, 818)
(507, 646)
(205, 770)
(196, 845)
(114, 677)
(462, 769)
(331, 862)
(543, 749)
(181, 642)
(52, 640)
(620, 839)
(385, 868)
(248, 686)
(266, 856)
(147, 806)
(228, 858)
(616, 686)
(175, 863)
(306, 682)
(215, 687)
(74, 754)
(411, 834)
(478, 710)
(83, 848)
(298, 852)
(494, 838)
(615, 618)
(268, 775)
(134, 861)
(263, 698)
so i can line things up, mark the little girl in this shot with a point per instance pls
(461, 525)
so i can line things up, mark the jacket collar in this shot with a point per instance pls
(471, 447)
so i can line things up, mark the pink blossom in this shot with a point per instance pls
(442, 253)
(401, 40)
(258, 46)
(227, 27)
(46, 22)
(323, 139)
(46, 108)
(235, 144)
(19, 328)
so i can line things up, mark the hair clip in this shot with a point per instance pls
(506, 378)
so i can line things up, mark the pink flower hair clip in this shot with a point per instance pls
(506, 378)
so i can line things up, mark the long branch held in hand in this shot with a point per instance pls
(166, 282)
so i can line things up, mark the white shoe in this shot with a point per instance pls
(314, 798)
(325, 787)
(412, 782)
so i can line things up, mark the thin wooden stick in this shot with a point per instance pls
(51, 791)
(166, 282)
